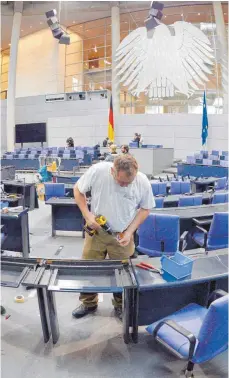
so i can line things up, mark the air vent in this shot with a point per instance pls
(55, 97)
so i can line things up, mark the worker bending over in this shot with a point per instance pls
(124, 197)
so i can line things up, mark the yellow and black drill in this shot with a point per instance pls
(101, 220)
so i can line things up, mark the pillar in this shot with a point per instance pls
(222, 38)
(115, 41)
(10, 109)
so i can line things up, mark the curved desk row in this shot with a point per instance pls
(148, 296)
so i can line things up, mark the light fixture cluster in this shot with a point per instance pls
(57, 31)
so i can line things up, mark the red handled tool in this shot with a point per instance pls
(149, 267)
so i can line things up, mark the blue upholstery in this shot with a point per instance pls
(209, 326)
(54, 190)
(218, 233)
(180, 187)
(214, 152)
(133, 144)
(158, 229)
(159, 188)
(221, 183)
(190, 201)
(225, 153)
(159, 202)
(220, 198)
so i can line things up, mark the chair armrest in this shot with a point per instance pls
(183, 331)
(215, 295)
(202, 222)
(182, 242)
(205, 235)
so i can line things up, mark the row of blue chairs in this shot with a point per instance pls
(193, 200)
(182, 187)
(160, 234)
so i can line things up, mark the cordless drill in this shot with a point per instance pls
(101, 220)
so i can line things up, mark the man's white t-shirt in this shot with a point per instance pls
(118, 204)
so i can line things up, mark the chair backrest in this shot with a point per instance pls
(220, 198)
(218, 233)
(225, 153)
(190, 201)
(54, 190)
(160, 229)
(214, 152)
(213, 334)
(159, 188)
(179, 187)
(190, 159)
(159, 202)
(221, 183)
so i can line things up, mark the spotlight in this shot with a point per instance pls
(57, 31)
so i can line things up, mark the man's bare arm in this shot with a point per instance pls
(81, 201)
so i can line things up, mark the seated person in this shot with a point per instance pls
(105, 142)
(113, 153)
(125, 149)
(136, 138)
(70, 142)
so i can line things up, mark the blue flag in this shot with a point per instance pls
(204, 121)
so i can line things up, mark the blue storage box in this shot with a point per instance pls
(178, 265)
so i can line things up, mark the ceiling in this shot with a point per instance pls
(77, 12)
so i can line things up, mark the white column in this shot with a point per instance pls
(115, 30)
(222, 38)
(10, 110)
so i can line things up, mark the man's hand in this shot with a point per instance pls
(125, 239)
(91, 222)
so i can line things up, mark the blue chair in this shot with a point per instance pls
(160, 234)
(221, 183)
(159, 202)
(159, 188)
(54, 190)
(190, 201)
(216, 237)
(133, 144)
(214, 152)
(225, 153)
(195, 333)
(180, 187)
(220, 198)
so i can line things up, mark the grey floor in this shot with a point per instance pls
(89, 347)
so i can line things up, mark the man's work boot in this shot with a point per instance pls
(118, 312)
(82, 310)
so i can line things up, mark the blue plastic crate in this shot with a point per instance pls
(178, 265)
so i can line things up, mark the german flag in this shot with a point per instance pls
(111, 123)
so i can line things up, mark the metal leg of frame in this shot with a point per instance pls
(42, 303)
(126, 315)
(25, 235)
(53, 316)
(32, 197)
(135, 306)
(53, 221)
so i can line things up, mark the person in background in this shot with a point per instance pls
(105, 142)
(125, 149)
(140, 140)
(70, 142)
(136, 138)
(113, 153)
(123, 195)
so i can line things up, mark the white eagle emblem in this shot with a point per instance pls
(164, 60)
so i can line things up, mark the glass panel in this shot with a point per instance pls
(5, 68)
(74, 47)
(74, 69)
(74, 58)
(73, 82)
(4, 77)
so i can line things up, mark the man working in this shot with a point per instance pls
(124, 197)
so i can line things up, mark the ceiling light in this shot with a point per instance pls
(73, 22)
(165, 16)
(95, 49)
(22, 30)
(198, 14)
(182, 15)
(30, 26)
(41, 23)
(92, 66)
(106, 61)
(9, 44)
(225, 14)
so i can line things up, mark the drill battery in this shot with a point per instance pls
(101, 220)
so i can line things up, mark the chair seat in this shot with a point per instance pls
(152, 252)
(198, 237)
(191, 318)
